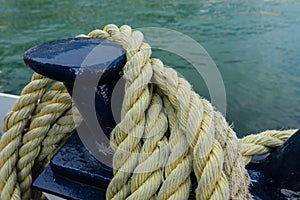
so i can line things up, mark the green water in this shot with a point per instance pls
(255, 45)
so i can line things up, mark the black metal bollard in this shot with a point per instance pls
(96, 65)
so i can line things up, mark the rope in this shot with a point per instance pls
(199, 141)
(263, 142)
(170, 143)
(36, 115)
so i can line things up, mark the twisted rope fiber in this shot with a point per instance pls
(200, 141)
(167, 134)
(206, 155)
(37, 113)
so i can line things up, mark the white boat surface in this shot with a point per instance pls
(6, 103)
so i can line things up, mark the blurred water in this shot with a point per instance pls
(255, 45)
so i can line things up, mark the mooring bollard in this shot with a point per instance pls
(96, 65)
(90, 70)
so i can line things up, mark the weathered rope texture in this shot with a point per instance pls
(157, 151)
(32, 131)
(170, 143)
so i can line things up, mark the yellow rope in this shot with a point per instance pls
(200, 141)
(36, 113)
(263, 142)
(167, 135)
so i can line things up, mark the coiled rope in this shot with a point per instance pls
(170, 143)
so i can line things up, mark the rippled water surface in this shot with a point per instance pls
(255, 45)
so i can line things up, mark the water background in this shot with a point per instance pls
(255, 45)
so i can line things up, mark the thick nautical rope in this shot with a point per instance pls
(168, 135)
(196, 146)
(37, 114)
(263, 143)
(200, 141)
